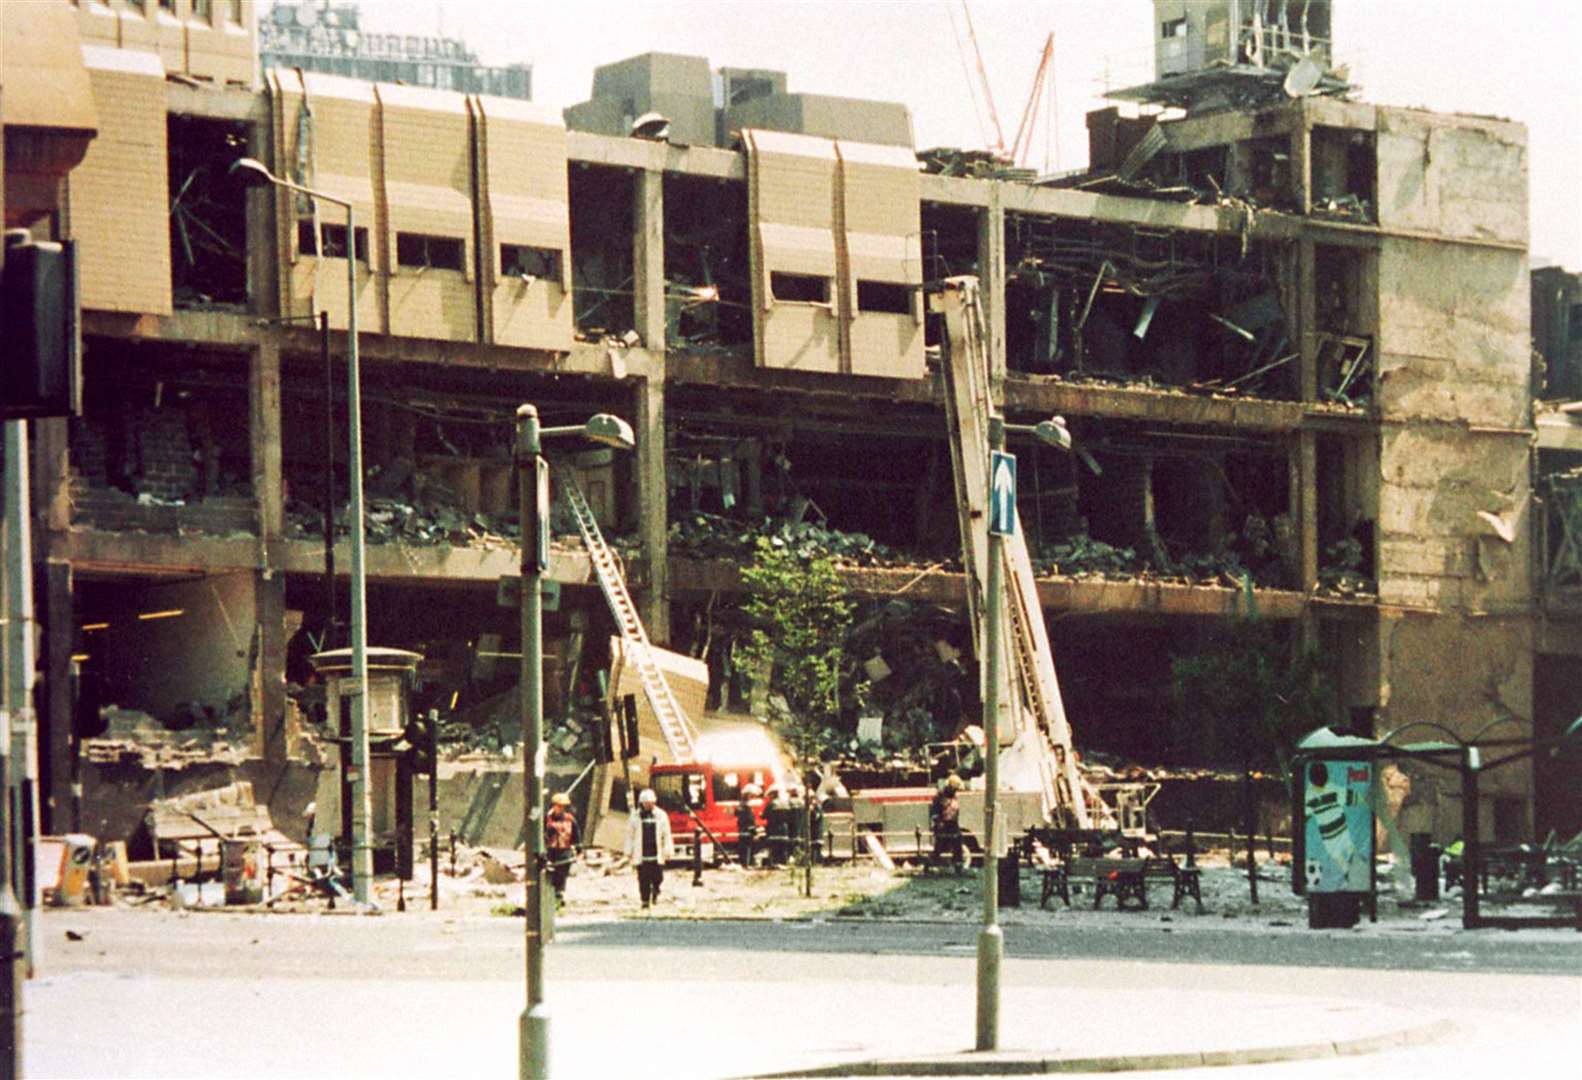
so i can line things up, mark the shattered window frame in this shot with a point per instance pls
(544, 264)
(334, 240)
(784, 287)
(419, 251)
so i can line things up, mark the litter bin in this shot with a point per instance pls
(1010, 878)
(1425, 866)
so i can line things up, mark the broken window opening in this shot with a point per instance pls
(1262, 172)
(426, 252)
(1560, 485)
(1173, 28)
(208, 223)
(156, 448)
(602, 220)
(1345, 313)
(1345, 499)
(538, 264)
(334, 240)
(708, 290)
(884, 296)
(1345, 174)
(798, 288)
(950, 248)
(1096, 301)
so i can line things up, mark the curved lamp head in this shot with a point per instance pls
(609, 430)
(251, 172)
(1054, 432)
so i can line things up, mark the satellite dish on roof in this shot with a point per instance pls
(651, 125)
(1303, 78)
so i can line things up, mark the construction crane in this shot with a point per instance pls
(1022, 144)
(1039, 754)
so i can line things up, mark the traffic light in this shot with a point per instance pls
(630, 746)
(603, 741)
(420, 736)
(41, 364)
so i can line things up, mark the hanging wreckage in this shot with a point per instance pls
(1040, 779)
(1038, 756)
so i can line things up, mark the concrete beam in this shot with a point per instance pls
(96, 553)
(1559, 431)
(1224, 128)
(234, 331)
(645, 154)
(217, 103)
(1090, 596)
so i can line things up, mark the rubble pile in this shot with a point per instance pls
(1340, 574)
(698, 535)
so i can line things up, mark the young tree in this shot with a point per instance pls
(1251, 693)
(800, 618)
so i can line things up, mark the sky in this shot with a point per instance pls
(1516, 59)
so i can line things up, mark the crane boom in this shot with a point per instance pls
(1040, 752)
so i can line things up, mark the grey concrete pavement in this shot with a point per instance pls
(221, 995)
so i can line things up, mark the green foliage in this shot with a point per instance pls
(800, 619)
(1248, 694)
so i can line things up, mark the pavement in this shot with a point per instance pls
(207, 995)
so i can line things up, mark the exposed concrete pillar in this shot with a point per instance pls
(264, 438)
(265, 273)
(653, 519)
(648, 257)
(1306, 319)
(1304, 509)
(269, 642)
(1302, 161)
(269, 666)
(60, 626)
(991, 281)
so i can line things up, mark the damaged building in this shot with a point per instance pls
(1290, 332)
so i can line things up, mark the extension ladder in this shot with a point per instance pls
(677, 729)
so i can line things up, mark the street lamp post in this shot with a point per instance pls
(362, 851)
(533, 499)
(991, 941)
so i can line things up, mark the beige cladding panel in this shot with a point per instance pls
(221, 49)
(524, 201)
(428, 190)
(98, 23)
(119, 194)
(136, 28)
(331, 149)
(792, 185)
(880, 198)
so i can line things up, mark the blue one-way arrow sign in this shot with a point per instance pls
(1002, 493)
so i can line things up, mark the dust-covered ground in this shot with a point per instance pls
(604, 886)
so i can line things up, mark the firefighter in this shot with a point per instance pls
(562, 842)
(945, 818)
(746, 825)
(650, 846)
(778, 815)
